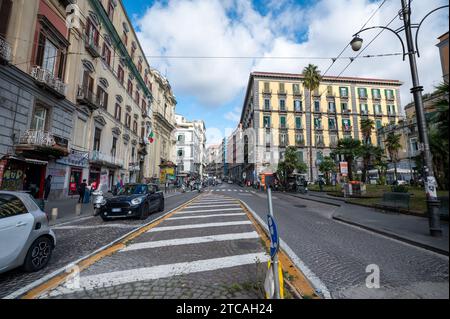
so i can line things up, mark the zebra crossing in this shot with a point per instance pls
(211, 243)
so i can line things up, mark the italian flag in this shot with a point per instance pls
(151, 136)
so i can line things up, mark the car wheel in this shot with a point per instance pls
(144, 212)
(38, 254)
(105, 219)
(161, 205)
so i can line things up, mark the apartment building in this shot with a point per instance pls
(213, 160)
(278, 112)
(191, 149)
(79, 98)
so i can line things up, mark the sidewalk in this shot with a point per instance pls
(410, 229)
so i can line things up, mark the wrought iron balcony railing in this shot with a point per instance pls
(5, 51)
(47, 79)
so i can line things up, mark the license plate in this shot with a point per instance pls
(116, 210)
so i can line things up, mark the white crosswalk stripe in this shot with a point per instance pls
(206, 216)
(165, 228)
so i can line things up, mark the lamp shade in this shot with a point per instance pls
(356, 43)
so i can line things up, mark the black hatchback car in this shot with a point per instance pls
(133, 200)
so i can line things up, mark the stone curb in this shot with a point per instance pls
(392, 235)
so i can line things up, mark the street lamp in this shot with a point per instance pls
(430, 185)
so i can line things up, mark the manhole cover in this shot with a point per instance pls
(300, 206)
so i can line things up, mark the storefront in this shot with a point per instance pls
(76, 162)
(94, 176)
(167, 172)
(23, 174)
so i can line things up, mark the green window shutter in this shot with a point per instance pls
(283, 120)
(298, 122)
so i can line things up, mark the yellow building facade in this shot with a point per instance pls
(282, 112)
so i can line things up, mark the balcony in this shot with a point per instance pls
(297, 93)
(333, 129)
(5, 51)
(378, 114)
(376, 97)
(318, 128)
(346, 112)
(91, 46)
(105, 159)
(41, 143)
(320, 144)
(347, 129)
(390, 98)
(343, 96)
(333, 144)
(363, 97)
(88, 98)
(300, 143)
(331, 111)
(46, 79)
(282, 92)
(267, 91)
(331, 95)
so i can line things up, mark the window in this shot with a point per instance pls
(331, 124)
(102, 97)
(376, 94)
(144, 105)
(282, 121)
(344, 107)
(106, 54)
(5, 13)
(137, 97)
(282, 105)
(266, 87)
(130, 87)
(39, 119)
(389, 94)
(364, 109)
(135, 127)
(298, 105)
(298, 138)
(378, 124)
(319, 140)
(346, 124)
(133, 151)
(391, 109)
(180, 152)
(362, 93)
(332, 107)
(92, 34)
(50, 56)
(266, 121)
(267, 137)
(181, 138)
(414, 144)
(118, 112)
(377, 109)
(140, 67)
(281, 87)
(128, 120)
(142, 131)
(298, 123)
(343, 91)
(120, 74)
(267, 104)
(316, 106)
(333, 140)
(111, 10)
(125, 37)
(10, 206)
(114, 147)
(283, 139)
(317, 123)
(97, 137)
(296, 88)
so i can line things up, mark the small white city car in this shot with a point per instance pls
(26, 239)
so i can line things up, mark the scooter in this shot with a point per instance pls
(97, 200)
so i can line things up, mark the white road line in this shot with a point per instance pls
(209, 210)
(162, 271)
(191, 240)
(158, 229)
(213, 206)
(206, 216)
(95, 226)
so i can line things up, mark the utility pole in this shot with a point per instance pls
(430, 183)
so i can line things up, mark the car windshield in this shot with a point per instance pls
(133, 190)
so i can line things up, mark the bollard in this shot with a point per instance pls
(78, 209)
(54, 213)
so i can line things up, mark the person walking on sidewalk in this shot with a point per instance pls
(81, 191)
(47, 187)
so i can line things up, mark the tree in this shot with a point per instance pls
(393, 145)
(367, 126)
(348, 148)
(327, 166)
(368, 153)
(290, 163)
(311, 81)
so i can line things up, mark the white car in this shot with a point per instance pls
(25, 237)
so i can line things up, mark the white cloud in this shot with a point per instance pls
(235, 28)
(234, 115)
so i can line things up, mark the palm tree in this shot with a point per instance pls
(349, 148)
(311, 81)
(368, 153)
(289, 165)
(393, 145)
(367, 126)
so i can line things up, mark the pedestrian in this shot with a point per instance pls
(47, 187)
(82, 190)
(321, 184)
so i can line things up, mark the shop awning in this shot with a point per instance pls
(27, 160)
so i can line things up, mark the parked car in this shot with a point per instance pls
(133, 200)
(230, 182)
(26, 239)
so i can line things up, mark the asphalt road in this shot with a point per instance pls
(79, 238)
(338, 254)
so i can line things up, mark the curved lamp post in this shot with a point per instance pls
(430, 184)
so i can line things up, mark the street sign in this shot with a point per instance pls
(274, 239)
(343, 168)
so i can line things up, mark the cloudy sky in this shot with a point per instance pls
(211, 86)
